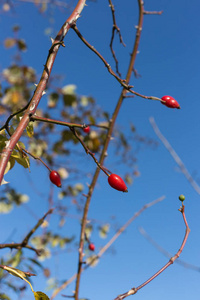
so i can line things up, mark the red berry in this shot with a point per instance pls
(55, 178)
(170, 102)
(117, 183)
(86, 129)
(91, 247)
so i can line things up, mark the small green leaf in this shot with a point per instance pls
(40, 296)
(52, 100)
(14, 272)
(22, 160)
(21, 45)
(30, 130)
(93, 260)
(103, 231)
(69, 89)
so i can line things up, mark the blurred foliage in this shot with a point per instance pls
(59, 149)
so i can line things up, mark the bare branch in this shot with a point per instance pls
(24, 243)
(114, 29)
(133, 291)
(6, 153)
(175, 156)
(106, 144)
(107, 246)
(166, 253)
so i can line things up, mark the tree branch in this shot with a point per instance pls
(6, 153)
(107, 246)
(106, 144)
(170, 262)
(175, 156)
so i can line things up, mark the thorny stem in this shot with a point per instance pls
(109, 243)
(57, 122)
(170, 262)
(87, 150)
(6, 153)
(123, 82)
(115, 28)
(104, 151)
(24, 243)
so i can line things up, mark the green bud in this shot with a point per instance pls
(181, 197)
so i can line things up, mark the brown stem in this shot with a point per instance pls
(24, 243)
(87, 150)
(166, 253)
(6, 153)
(115, 28)
(110, 242)
(57, 122)
(104, 151)
(170, 262)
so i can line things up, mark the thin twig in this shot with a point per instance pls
(24, 243)
(106, 247)
(123, 82)
(166, 253)
(106, 144)
(87, 150)
(114, 29)
(175, 156)
(153, 12)
(133, 291)
(34, 102)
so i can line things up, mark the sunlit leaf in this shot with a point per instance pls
(92, 260)
(69, 89)
(30, 130)
(15, 272)
(103, 230)
(129, 179)
(10, 42)
(5, 207)
(52, 100)
(40, 296)
(84, 101)
(22, 160)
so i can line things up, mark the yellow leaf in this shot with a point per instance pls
(40, 296)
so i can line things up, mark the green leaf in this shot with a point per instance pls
(15, 272)
(52, 100)
(22, 160)
(93, 260)
(21, 45)
(69, 89)
(30, 130)
(5, 207)
(4, 297)
(103, 231)
(40, 296)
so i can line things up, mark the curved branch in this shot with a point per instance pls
(6, 153)
(170, 262)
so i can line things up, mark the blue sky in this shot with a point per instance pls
(168, 62)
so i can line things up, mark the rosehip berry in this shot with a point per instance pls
(86, 129)
(55, 178)
(91, 247)
(170, 102)
(181, 197)
(117, 183)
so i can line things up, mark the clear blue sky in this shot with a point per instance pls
(169, 64)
